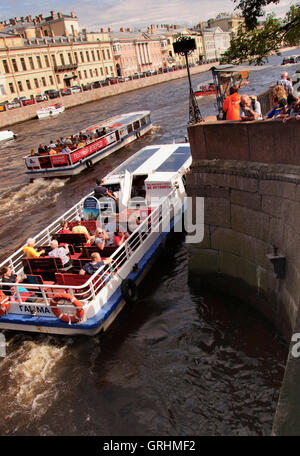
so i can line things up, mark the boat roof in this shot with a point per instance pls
(228, 68)
(166, 158)
(119, 120)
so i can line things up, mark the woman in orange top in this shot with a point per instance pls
(231, 105)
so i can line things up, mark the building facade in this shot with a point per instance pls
(136, 52)
(227, 22)
(33, 58)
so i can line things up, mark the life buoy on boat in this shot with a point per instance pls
(129, 290)
(89, 163)
(4, 303)
(55, 301)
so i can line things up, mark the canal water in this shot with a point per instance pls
(181, 361)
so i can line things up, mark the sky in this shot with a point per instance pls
(93, 14)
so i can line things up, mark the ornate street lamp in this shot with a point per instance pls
(185, 46)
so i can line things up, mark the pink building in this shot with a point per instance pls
(136, 51)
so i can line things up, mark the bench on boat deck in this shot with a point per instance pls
(73, 280)
(33, 279)
(89, 224)
(46, 266)
(87, 250)
(75, 239)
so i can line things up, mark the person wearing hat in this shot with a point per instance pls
(78, 228)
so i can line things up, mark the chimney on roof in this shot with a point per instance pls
(59, 15)
(122, 29)
(12, 21)
(109, 29)
(22, 19)
(52, 14)
(34, 21)
(128, 29)
(84, 31)
(30, 18)
(41, 17)
(102, 30)
(72, 14)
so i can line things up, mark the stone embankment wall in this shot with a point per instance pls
(29, 112)
(249, 176)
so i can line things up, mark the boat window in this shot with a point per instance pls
(138, 186)
(113, 187)
(136, 125)
(148, 119)
(143, 121)
(129, 128)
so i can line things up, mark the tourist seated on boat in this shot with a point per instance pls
(64, 228)
(65, 150)
(120, 237)
(101, 191)
(78, 228)
(68, 141)
(95, 263)
(250, 108)
(8, 277)
(42, 150)
(52, 144)
(101, 238)
(109, 228)
(75, 141)
(30, 251)
(231, 105)
(52, 152)
(60, 252)
(82, 136)
(81, 144)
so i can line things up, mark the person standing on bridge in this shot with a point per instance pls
(288, 87)
(231, 105)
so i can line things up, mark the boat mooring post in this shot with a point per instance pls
(185, 46)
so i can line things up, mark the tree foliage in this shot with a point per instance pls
(255, 42)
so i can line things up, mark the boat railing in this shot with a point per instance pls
(41, 295)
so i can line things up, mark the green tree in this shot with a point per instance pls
(255, 42)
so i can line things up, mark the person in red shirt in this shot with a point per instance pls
(231, 105)
(64, 228)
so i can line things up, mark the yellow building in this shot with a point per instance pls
(50, 53)
(227, 22)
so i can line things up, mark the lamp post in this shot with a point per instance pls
(185, 46)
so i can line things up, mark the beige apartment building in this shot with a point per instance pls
(227, 22)
(50, 53)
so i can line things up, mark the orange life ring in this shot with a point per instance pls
(63, 316)
(4, 303)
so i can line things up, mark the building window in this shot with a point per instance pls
(98, 55)
(58, 78)
(101, 71)
(45, 32)
(76, 57)
(44, 81)
(28, 84)
(103, 54)
(31, 63)
(85, 74)
(47, 61)
(20, 86)
(38, 58)
(5, 66)
(93, 56)
(106, 70)
(108, 54)
(111, 70)
(51, 80)
(53, 59)
(62, 59)
(11, 87)
(23, 64)
(70, 57)
(79, 74)
(36, 83)
(14, 64)
(88, 56)
(81, 56)
(91, 73)
(96, 72)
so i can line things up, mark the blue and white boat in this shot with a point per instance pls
(151, 195)
(108, 136)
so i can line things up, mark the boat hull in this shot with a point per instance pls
(43, 114)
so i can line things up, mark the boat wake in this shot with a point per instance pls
(22, 199)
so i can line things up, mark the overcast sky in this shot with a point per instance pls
(93, 14)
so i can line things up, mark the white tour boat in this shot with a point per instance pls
(5, 135)
(52, 110)
(114, 133)
(51, 300)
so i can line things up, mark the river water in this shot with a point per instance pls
(181, 361)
